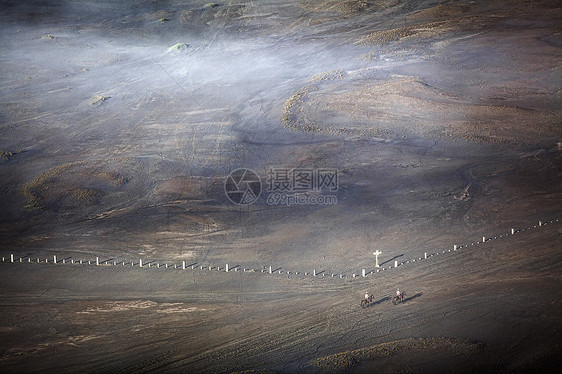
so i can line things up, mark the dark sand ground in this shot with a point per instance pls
(119, 122)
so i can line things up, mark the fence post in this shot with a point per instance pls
(512, 231)
(54, 259)
(454, 247)
(540, 223)
(314, 272)
(483, 239)
(226, 268)
(140, 262)
(97, 260)
(183, 265)
(11, 258)
(395, 264)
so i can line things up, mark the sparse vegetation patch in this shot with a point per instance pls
(178, 47)
(340, 362)
(71, 184)
(98, 99)
(6, 155)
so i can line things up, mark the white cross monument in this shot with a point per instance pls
(377, 253)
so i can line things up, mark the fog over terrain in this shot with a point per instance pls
(121, 121)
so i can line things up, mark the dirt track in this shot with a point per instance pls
(119, 124)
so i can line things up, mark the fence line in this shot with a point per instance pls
(270, 270)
